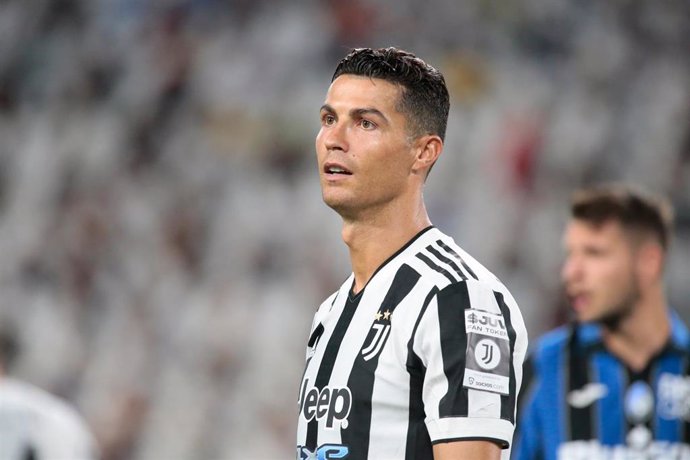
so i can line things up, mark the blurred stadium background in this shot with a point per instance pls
(163, 244)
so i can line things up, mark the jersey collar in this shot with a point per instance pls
(680, 337)
(589, 334)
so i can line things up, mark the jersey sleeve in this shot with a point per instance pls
(472, 351)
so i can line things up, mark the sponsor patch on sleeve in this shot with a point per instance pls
(487, 361)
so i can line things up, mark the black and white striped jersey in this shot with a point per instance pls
(431, 350)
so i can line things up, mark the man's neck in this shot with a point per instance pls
(372, 241)
(641, 335)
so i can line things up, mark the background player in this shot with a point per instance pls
(615, 382)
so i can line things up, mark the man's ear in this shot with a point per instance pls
(428, 149)
(650, 261)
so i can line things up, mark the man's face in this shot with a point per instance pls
(363, 150)
(599, 271)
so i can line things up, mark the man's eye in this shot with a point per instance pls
(366, 124)
(328, 119)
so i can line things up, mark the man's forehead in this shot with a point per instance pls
(356, 90)
(609, 229)
(607, 225)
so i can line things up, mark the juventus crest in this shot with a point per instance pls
(378, 335)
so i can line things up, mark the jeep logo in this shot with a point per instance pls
(329, 403)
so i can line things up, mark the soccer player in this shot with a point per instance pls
(614, 384)
(419, 354)
(35, 425)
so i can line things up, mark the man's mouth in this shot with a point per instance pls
(578, 300)
(336, 170)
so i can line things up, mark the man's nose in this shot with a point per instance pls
(335, 137)
(572, 269)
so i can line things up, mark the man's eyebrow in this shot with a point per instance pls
(368, 111)
(358, 113)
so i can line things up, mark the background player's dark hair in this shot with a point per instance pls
(424, 99)
(9, 348)
(635, 209)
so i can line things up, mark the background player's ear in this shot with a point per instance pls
(650, 261)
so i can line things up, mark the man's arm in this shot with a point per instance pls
(469, 450)
(475, 423)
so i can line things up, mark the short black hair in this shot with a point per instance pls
(637, 210)
(424, 98)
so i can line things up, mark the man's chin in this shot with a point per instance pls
(611, 320)
(338, 204)
(585, 316)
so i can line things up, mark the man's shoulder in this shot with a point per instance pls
(48, 418)
(19, 392)
(442, 262)
(23, 394)
(550, 345)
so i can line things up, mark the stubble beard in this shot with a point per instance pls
(352, 209)
(614, 317)
(341, 207)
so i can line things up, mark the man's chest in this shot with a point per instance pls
(359, 359)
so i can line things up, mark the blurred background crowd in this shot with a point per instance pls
(163, 244)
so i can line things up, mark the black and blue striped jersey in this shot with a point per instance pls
(431, 350)
(581, 402)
